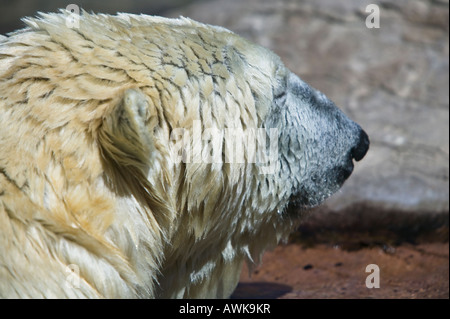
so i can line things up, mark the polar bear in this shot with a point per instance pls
(146, 157)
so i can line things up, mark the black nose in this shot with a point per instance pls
(362, 147)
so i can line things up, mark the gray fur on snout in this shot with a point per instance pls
(315, 142)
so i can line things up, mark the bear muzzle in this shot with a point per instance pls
(357, 153)
(360, 150)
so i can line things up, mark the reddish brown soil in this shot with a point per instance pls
(292, 271)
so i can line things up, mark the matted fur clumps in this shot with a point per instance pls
(93, 201)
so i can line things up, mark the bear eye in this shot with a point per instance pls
(280, 95)
(280, 92)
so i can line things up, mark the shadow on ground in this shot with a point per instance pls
(260, 290)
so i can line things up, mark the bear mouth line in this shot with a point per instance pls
(304, 198)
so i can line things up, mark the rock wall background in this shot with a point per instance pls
(393, 81)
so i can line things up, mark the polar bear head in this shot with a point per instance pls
(163, 153)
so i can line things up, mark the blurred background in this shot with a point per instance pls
(392, 80)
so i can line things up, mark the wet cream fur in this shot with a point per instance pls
(92, 202)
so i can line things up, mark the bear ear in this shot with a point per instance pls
(126, 144)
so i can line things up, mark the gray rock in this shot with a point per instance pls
(393, 81)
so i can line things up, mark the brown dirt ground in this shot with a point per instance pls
(293, 271)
